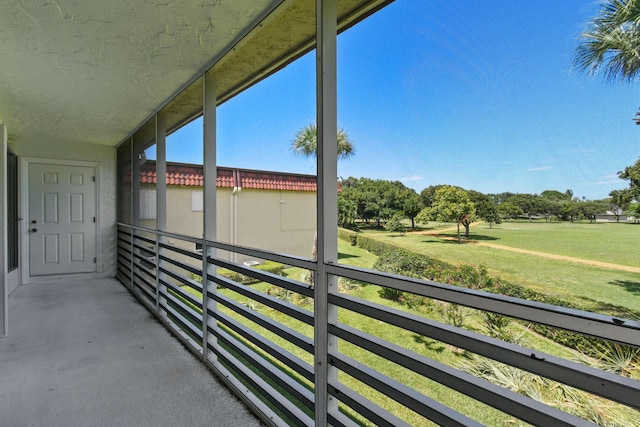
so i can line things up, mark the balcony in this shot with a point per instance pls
(248, 335)
(87, 353)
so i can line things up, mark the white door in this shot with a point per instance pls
(62, 215)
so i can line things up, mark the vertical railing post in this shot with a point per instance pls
(135, 205)
(161, 206)
(209, 104)
(205, 301)
(327, 212)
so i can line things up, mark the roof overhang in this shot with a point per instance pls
(95, 72)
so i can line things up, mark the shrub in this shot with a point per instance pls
(348, 236)
(390, 294)
(394, 225)
(267, 266)
(454, 314)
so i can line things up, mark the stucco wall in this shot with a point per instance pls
(279, 221)
(106, 184)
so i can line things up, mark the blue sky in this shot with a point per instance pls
(476, 94)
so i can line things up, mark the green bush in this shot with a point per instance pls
(394, 225)
(410, 264)
(267, 266)
(348, 236)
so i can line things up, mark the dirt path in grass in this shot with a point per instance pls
(536, 253)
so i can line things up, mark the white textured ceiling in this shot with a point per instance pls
(91, 71)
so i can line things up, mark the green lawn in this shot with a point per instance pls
(608, 242)
(555, 277)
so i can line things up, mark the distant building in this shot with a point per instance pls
(260, 209)
(609, 216)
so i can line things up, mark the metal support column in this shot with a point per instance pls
(327, 213)
(161, 202)
(4, 297)
(209, 103)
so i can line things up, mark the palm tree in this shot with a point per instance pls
(306, 142)
(611, 42)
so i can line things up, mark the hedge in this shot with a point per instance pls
(396, 260)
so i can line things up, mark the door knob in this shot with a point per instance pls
(33, 221)
(33, 230)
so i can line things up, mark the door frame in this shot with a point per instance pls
(25, 162)
(13, 278)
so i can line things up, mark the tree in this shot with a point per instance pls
(592, 208)
(508, 210)
(620, 200)
(428, 194)
(556, 195)
(634, 211)
(451, 204)
(488, 211)
(306, 142)
(610, 43)
(412, 205)
(529, 203)
(347, 212)
(632, 173)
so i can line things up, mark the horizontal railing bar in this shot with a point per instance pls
(605, 384)
(124, 236)
(291, 335)
(263, 276)
(143, 298)
(144, 239)
(149, 252)
(292, 412)
(184, 323)
(366, 408)
(124, 244)
(183, 294)
(245, 394)
(277, 376)
(182, 251)
(291, 260)
(123, 251)
(188, 312)
(123, 264)
(177, 236)
(196, 286)
(284, 307)
(289, 359)
(143, 281)
(613, 329)
(123, 279)
(138, 263)
(408, 397)
(189, 268)
(519, 406)
(143, 294)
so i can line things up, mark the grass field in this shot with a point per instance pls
(607, 242)
(556, 277)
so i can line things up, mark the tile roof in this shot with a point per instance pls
(191, 175)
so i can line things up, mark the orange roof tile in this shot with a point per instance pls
(191, 175)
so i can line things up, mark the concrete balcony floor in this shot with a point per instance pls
(87, 353)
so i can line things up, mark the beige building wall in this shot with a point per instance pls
(279, 221)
